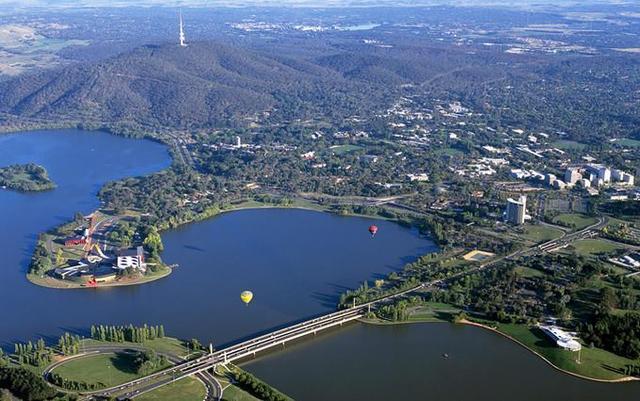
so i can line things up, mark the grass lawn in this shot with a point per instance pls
(594, 362)
(540, 233)
(568, 145)
(108, 369)
(233, 393)
(343, 149)
(433, 312)
(627, 142)
(166, 345)
(187, 389)
(576, 221)
(589, 247)
(528, 272)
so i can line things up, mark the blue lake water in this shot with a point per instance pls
(296, 262)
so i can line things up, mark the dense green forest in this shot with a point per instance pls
(26, 177)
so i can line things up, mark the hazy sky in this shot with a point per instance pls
(299, 3)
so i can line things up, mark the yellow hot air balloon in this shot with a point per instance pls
(246, 296)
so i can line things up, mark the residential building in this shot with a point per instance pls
(516, 210)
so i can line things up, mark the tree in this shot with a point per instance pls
(60, 259)
(153, 242)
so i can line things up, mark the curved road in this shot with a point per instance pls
(212, 386)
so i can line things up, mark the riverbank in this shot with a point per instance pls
(51, 282)
(53, 242)
(595, 364)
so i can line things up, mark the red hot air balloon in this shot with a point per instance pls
(373, 230)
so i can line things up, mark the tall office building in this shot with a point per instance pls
(516, 210)
(572, 176)
(181, 35)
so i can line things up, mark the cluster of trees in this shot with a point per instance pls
(25, 177)
(41, 259)
(25, 384)
(74, 385)
(622, 233)
(399, 310)
(429, 267)
(148, 361)
(69, 344)
(37, 354)
(616, 333)
(126, 333)
(257, 387)
(164, 195)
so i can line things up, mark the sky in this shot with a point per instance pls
(294, 3)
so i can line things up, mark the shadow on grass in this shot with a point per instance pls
(542, 340)
(125, 361)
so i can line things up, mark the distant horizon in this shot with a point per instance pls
(25, 4)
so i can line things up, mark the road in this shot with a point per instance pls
(212, 386)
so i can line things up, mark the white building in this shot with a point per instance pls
(130, 258)
(572, 176)
(422, 177)
(549, 179)
(562, 338)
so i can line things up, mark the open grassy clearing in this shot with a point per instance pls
(233, 393)
(594, 247)
(108, 369)
(540, 233)
(187, 389)
(568, 145)
(575, 221)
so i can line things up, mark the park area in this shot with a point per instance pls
(574, 220)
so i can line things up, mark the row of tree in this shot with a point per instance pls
(37, 354)
(257, 387)
(126, 333)
(74, 385)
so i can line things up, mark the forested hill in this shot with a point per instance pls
(202, 85)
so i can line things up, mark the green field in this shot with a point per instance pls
(343, 149)
(165, 345)
(590, 247)
(109, 369)
(540, 233)
(233, 393)
(528, 272)
(594, 362)
(575, 221)
(187, 389)
(627, 143)
(568, 145)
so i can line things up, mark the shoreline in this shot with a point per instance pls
(49, 282)
(625, 379)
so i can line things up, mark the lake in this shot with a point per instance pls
(296, 262)
(406, 362)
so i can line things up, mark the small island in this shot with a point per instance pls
(25, 178)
